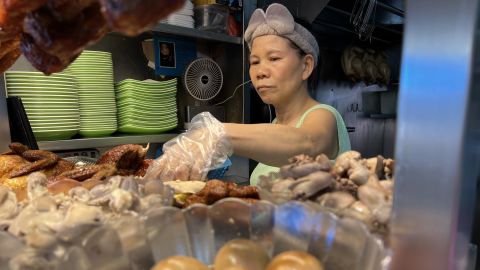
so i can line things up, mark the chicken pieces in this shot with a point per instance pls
(54, 32)
(216, 190)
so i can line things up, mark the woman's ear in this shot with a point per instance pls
(308, 65)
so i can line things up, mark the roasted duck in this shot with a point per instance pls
(16, 165)
(52, 33)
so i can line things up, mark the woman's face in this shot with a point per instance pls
(164, 49)
(277, 70)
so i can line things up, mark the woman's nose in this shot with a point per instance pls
(262, 72)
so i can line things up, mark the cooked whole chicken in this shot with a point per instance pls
(54, 32)
(16, 165)
(365, 65)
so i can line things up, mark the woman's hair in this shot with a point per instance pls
(312, 82)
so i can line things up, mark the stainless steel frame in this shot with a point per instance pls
(438, 138)
(5, 138)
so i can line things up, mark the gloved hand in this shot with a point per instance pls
(191, 155)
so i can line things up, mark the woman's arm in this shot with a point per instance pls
(274, 144)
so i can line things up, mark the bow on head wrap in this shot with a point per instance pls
(277, 20)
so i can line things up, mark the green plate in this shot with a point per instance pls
(54, 125)
(94, 77)
(68, 118)
(153, 123)
(44, 97)
(18, 78)
(47, 103)
(42, 88)
(97, 133)
(92, 72)
(143, 91)
(134, 108)
(99, 112)
(105, 61)
(49, 92)
(42, 84)
(142, 130)
(99, 119)
(84, 96)
(151, 103)
(49, 100)
(54, 135)
(34, 73)
(107, 124)
(96, 99)
(99, 116)
(147, 82)
(96, 86)
(147, 119)
(54, 128)
(128, 113)
(34, 110)
(98, 127)
(146, 107)
(145, 95)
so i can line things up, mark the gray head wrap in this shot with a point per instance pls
(277, 20)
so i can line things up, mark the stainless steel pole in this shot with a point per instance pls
(5, 139)
(437, 145)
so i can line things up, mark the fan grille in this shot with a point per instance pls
(203, 79)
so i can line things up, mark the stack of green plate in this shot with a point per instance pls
(146, 106)
(51, 102)
(94, 74)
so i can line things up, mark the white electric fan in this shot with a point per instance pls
(203, 80)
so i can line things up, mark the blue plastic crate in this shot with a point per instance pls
(218, 173)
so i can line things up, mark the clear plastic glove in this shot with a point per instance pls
(191, 155)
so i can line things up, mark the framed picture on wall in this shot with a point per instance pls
(173, 54)
(167, 54)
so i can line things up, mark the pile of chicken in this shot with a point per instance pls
(350, 186)
(366, 65)
(62, 175)
(52, 33)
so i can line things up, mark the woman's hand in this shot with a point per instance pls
(192, 154)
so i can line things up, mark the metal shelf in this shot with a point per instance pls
(195, 33)
(83, 143)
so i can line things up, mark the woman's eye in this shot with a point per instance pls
(253, 63)
(274, 58)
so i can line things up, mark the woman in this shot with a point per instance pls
(283, 56)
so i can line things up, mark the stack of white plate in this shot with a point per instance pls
(93, 71)
(51, 102)
(183, 17)
(146, 106)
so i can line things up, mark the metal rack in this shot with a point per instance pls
(195, 33)
(81, 143)
(335, 18)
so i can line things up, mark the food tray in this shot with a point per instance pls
(80, 161)
(199, 231)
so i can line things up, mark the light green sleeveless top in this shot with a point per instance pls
(343, 141)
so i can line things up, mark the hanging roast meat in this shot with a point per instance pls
(60, 41)
(54, 32)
